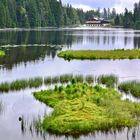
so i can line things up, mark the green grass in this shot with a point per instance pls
(89, 79)
(130, 87)
(100, 54)
(108, 80)
(48, 80)
(21, 84)
(2, 53)
(79, 78)
(80, 108)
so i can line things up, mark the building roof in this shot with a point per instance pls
(97, 21)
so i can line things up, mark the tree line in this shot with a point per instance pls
(36, 13)
(52, 13)
(129, 19)
(44, 13)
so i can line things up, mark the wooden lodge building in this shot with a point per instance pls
(97, 22)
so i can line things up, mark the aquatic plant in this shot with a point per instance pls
(100, 54)
(48, 80)
(35, 82)
(79, 78)
(66, 78)
(109, 80)
(4, 87)
(21, 84)
(130, 87)
(89, 79)
(55, 80)
(2, 53)
(18, 84)
(80, 108)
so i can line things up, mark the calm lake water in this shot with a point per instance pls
(40, 60)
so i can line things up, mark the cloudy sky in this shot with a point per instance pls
(92, 4)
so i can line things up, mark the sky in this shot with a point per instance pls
(120, 5)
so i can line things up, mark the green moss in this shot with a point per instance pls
(100, 54)
(2, 53)
(80, 108)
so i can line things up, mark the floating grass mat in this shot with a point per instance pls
(21, 84)
(130, 87)
(100, 54)
(2, 53)
(109, 81)
(80, 108)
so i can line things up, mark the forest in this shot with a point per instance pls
(45, 13)
(52, 13)
(129, 19)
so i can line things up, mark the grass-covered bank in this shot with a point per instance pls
(100, 54)
(80, 108)
(2, 53)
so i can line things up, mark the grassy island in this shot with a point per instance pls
(2, 53)
(100, 54)
(80, 108)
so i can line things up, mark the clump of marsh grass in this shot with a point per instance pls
(55, 80)
(35, 82)
(66, 78)
(79, 78)
(18, 84)
(21, 84)
(89, 79)
(109, 81)
(4, 87)
(48, 80)
(130, 87)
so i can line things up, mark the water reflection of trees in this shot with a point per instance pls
(137, 42)
(35, 37)
(24, 54)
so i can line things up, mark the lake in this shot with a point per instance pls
(36, 59)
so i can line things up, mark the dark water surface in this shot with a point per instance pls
(36, 59)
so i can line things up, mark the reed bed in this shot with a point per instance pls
(89, 79)
(48, 80)
(21, 84)
(130, 87)
(109, 81)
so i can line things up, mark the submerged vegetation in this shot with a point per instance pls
(108, 80)
(100, 54)
(2, 53)
(130, 87)
(80, 108)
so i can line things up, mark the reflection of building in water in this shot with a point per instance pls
(97, 22)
